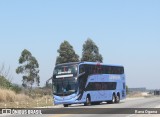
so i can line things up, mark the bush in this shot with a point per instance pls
(6, 95)
(10, 96)
(16, 88)
(4, 83)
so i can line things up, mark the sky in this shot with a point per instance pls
(127, 32)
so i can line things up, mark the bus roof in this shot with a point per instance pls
(90, 63)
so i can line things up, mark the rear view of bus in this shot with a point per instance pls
(88, 83)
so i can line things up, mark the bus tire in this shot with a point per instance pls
(88, 101)
(117, 100)
(113, 99)
(65, 105)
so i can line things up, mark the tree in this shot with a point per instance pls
(90, 52)
(66, 53)
(29, 67)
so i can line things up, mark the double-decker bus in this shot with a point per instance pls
(88, 83)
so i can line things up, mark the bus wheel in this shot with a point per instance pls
(113, 99)
(117, 99)
(65, 105)
(88, 101)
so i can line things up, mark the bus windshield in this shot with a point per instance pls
(65, 71)
(64, 82)
(63, 87)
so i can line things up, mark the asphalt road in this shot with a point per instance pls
(150, 102)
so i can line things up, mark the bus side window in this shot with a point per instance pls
(118, 70)
(113, 70)
(95, 70)
(103, 70)
(99, 69)
(122, 70)
(109, 70)
(81, 69)
(87, 69)
(90, 69)
(124, 86)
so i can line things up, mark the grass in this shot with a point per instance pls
(134, 94)
(7, 95)
(9, 99)
(138, 94)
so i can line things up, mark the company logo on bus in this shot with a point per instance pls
(114, 77)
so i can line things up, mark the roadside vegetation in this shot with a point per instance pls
(16, 96)
(10, 99)
(38, 97)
